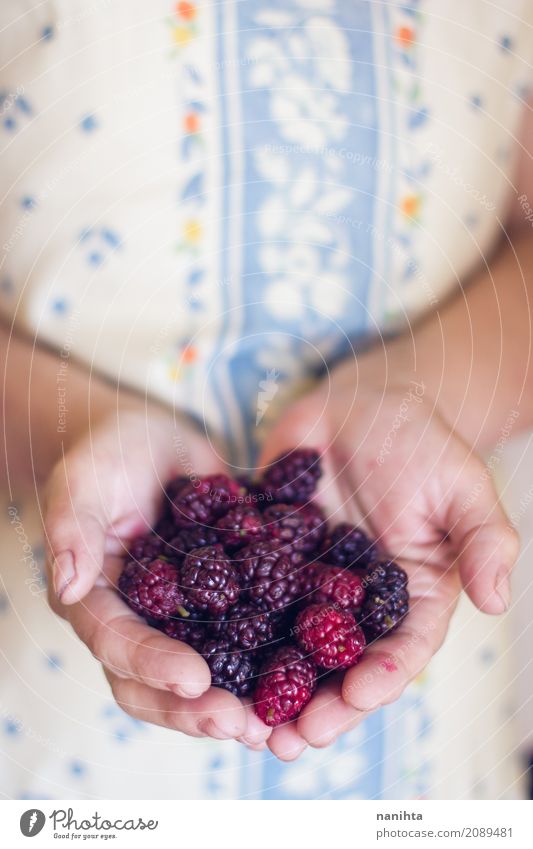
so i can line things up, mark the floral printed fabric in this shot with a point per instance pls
(214, 201)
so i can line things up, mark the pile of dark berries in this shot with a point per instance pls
(249, 574)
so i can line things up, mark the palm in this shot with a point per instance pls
(123, 472)
(412, 492)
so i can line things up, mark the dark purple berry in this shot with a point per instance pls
(387, 599)
(165, 528)
(246, 627)
(148, 546)
(151, 589)
(204, 500)
(171, 490)
(240, 526)
(209, 580)
(235, 671)
(347, 546)
(293, 477)
(188, 538)
(271, 574)
(301, 526)
(187, 631)
(255, 494)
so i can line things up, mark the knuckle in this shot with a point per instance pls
(143, 655)
(120, 691)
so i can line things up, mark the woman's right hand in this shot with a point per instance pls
(103, 492)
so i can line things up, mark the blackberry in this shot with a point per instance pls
(209, 580)
(147, 546)
(332, 637)
(301, 526)
(235, 671)
(171, 490)
(347, 546)
(187, 631)
(292, 478)
(240, 526)
(255, 494)
(204, 500)
(188, 538)
(165, 528)
(339, 587)
(247, 627)
(286, 683)
(308, 581)
(270, 574)
(151, 589)
(387, 599)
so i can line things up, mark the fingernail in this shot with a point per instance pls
(249, 741)
(502, 587)
(64, 572)
(254, 747)
(189, 690)
(208, 726)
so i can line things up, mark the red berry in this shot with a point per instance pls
(302, 526)
(338, 587)
(209, 580)
(332, 637)
(240, 526)
(151, 588)
(293, 477)
(271, 574)
(286, 683)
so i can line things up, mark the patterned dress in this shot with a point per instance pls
(211, 203)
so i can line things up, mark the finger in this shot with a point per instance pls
(257, 733)
(299, 427)
(286, 743)
(217, 713)
(130, 648)
(75, 534)
(486, 544)
(261, 747)
(389, 664)
(327, 715)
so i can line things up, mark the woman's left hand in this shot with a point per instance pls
(394, 466)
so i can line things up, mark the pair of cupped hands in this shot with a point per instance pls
(391, 464)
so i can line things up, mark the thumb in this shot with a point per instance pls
(75, 535)
(301, 425)
(486, 544)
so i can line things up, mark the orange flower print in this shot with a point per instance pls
(189, 354)
(185, 10)
(410, 205)
(405, 36)
(191, 123)
(181, 368)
